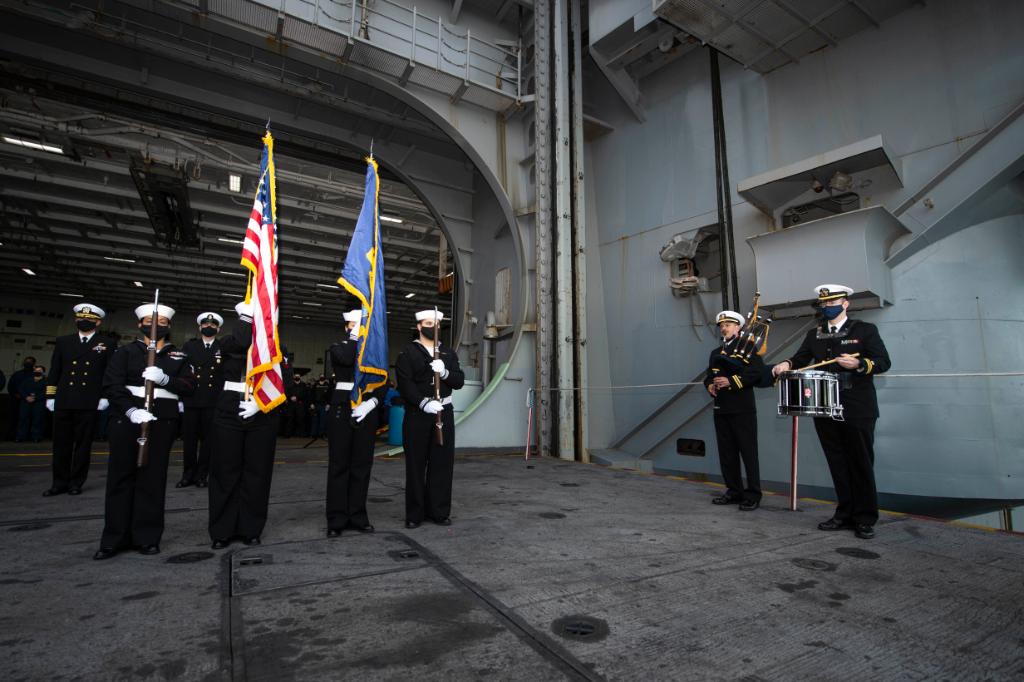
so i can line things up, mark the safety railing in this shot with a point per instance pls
(388, 37)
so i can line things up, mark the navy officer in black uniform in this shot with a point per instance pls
(730, 381)
(848, 444)
(351, 432)
(428, 466)
(244, 443)
(197, 420)
(134, 513)
(74, 390)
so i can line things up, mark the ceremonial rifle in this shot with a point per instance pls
(437, 378)
(143, 439)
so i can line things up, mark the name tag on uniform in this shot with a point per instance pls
(176, 355)
(100, 348)
(846, 341)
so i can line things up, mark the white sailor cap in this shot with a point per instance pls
(89, 310)
(429, 315)
(147, 309)
(209, 317)
(729, 316)
(353, 316)
(830, 292)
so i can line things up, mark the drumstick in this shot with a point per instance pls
(826, 362)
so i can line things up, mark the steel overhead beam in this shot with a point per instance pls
(623, 84)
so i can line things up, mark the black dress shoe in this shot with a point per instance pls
(333, 532)
(444, 522)
(368, 528)
(74, 491)
(726, 499)
(412, 524)
(54, 491)
(254, 540)
(201, 483)
(182, 484)
(749, 505)
(149, 550)
(864, 531)
(835, 524)
(104, 553)
(220, 544)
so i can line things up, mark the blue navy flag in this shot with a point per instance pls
(363, 277)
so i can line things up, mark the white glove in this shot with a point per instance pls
(364, 408)
(181, 407)
(102, 405)
(247, 408)
(156, 375)
(244, 310)
(438, 366)
(433, 407)
(51, 404)
(141, 416)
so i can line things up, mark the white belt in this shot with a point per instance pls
(140, 392)
(237, 386)
(343, 386)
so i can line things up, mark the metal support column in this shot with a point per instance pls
(579, 233)
(543, 242)
(563, 299)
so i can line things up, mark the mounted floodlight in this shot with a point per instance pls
(391, 219)
(30, 144)
(235, 182)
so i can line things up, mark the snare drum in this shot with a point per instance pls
(810, 393)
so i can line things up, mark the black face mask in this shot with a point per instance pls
(162, 331)
(39, 375)
(85, 325)
(28, 364)
(429, 333)
(208, 331)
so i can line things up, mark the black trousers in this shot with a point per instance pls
(72, 446)
(850, 450)
(737, 438)
(240, 474)
(350, 451)
(134, 510)
(428, 466)
(197, 442)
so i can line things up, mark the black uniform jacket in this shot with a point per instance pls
(76, 371)
(233, 349)
(743, 376)
(125, 369)
(856, 386)
(206, 366)
(416, 379)
(343, 363)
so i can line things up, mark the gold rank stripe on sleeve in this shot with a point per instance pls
(869, 365)
(51, 391)
(736, 380)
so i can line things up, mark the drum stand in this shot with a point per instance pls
(793, 465)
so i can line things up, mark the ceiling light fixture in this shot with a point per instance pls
(230, 241)
(318, 305)
(231, 295)
(73, 295)
(236, 274)
(119, 260)
(28, 272)
(235, 182)
(138, 284)
(391, 219)
(33, 145)
(328, 286)
(409, 295)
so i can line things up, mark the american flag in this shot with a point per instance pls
(259, 256)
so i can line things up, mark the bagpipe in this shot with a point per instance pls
(750, 341)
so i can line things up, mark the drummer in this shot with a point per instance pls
(858, 354)
(730, 381)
